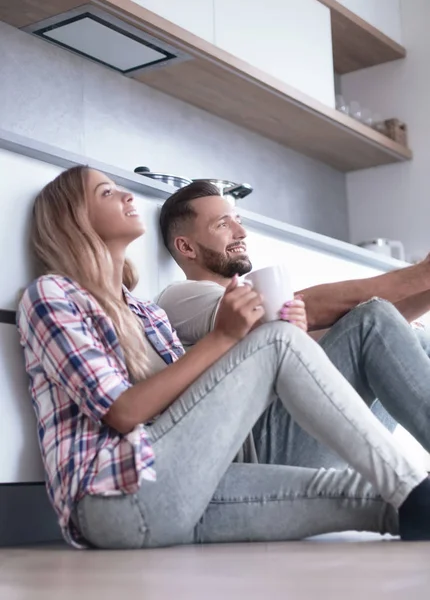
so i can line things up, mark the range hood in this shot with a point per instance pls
(103, 38)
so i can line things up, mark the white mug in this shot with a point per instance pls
(274, 284)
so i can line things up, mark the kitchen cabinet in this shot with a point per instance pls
(223, 84)
(383, 14)
(365, 33)
(289, 40)
(196, 16)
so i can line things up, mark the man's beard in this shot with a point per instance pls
(222, 264)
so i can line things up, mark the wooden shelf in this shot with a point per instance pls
(232, 89)
(356, 43)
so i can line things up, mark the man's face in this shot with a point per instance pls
(218, 238)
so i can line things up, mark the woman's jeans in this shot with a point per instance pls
(200, 496)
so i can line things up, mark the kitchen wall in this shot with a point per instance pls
(54, 96)
(394, 201)
(385, 15)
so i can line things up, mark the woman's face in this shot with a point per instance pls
(112, 210)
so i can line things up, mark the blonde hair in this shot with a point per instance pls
(66, 244)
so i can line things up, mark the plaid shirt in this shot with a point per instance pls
(77, 371)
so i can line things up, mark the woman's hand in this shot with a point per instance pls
(294, 311)
(240, 309)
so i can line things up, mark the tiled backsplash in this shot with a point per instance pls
(54, 96)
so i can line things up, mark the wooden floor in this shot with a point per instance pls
(341, 568)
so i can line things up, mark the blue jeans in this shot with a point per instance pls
(201, 496)
(382, 357)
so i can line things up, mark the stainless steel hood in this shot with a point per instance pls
(95, 34)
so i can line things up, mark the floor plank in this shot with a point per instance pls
(330, 567)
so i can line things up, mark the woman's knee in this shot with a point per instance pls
(281, 332)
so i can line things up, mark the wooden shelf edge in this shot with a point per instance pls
(356, 43)
(373, 136)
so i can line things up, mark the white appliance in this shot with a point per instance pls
(391, 248)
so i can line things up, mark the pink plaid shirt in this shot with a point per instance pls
(77, 371)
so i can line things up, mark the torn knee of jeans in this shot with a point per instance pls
(371, 300)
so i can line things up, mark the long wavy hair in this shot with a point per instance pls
(65, 243)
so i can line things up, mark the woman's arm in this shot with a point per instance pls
(238, 311)
(150, 397)
(59, 338)
(163, 388)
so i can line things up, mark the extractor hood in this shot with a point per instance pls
(102, 37)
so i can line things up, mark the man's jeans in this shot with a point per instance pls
(382, 357)
(200, 496)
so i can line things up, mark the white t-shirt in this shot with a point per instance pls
(191, 307)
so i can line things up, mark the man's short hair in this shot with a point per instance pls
(178, 208)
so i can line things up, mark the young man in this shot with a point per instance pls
(370, 341)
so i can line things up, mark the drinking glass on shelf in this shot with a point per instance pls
(378, 123)
(341, 104)
(355, 110)
(367, 117)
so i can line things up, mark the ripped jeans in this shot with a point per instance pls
(382, 357)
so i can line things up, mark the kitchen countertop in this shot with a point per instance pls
(156, 190)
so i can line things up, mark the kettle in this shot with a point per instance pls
(392, 248)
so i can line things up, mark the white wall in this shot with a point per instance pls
(382, 14)
(394, 201)
(289, 39)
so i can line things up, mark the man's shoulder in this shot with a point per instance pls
(189, 288)
(191, 307)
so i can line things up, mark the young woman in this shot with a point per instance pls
(112, 389)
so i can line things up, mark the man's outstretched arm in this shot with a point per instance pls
(415, 306)
(406, 288)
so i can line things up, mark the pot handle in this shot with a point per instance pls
(239, 191)
(399, 249)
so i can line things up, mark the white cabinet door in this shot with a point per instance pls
(194, 15)
(289, 39)
(383, 14)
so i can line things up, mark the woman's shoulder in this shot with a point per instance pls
(147, 307)
(142, 305)
(50, 288)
